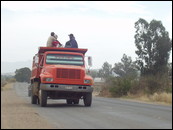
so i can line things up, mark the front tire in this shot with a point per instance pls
(87, 99)
(34, 98)
(43, 98)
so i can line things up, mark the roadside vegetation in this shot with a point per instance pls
(21, 75)
(149, 78)
(5, 80)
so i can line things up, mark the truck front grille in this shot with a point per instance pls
(68, 74)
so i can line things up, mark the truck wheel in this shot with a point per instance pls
(76, 101)
(88, 99)
(33, 98)
(43, 98)
(69, 101)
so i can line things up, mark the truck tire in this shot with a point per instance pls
(43, 98)
(69, 101)
(76, 101)
(87, 99)
(34, 99)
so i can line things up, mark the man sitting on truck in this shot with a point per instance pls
(52, 40)
(72, 42)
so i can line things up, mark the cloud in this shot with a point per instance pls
(110, 7)
(32, 6)
(120, 7)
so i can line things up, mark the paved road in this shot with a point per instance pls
(105, 113)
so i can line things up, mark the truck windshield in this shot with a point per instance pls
(64, 59)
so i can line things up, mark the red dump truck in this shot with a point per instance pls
(60, 73)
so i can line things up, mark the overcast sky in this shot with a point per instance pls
(105, 28)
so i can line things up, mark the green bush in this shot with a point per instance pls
(23, 74)
(149, 84)
(155, 83)
(120, 86)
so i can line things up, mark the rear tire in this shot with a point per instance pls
(88, 99)
(76, 101)
(69, 101)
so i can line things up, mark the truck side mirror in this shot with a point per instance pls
(36, 61)
(90, 61)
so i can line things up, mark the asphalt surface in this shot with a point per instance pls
(104, 113)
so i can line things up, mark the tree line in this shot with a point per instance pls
(151, 71)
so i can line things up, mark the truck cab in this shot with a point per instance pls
(60, 73)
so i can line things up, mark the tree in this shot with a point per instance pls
(93, 73)
(125, 68)
(23, 75)
(105, 72)
(153, 46)
(170, 70)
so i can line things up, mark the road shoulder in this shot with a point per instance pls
(17, 114)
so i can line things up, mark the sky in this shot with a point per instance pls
(105, 28)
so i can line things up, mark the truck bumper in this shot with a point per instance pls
(66, 88)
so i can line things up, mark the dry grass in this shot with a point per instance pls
(158, 98)
(101, 90)
(162, 97)
(7, 86)
(140, 96)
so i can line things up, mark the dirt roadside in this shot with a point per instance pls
(17, 114)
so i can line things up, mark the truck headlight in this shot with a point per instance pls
(49, 79)
(87, 81)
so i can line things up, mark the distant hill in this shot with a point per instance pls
(10, 67)
(8, 74)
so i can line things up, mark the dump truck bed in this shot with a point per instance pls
(44, 49)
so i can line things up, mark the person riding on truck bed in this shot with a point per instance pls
(53, 40)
